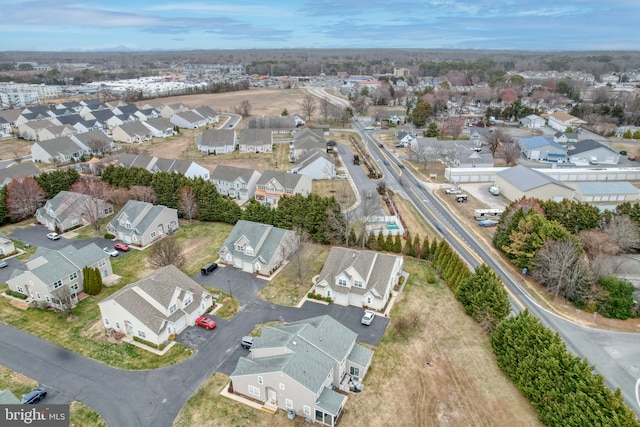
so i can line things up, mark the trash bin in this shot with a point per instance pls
(291, 414)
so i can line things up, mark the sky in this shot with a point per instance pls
(141, 25)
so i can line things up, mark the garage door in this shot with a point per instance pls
(179, 325)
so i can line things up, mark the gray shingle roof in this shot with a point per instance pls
(360, 355)
(216, 138)
(190, 116)
(587, 145)
(231, 173)
(255, 136)
(609, 187)
(140, 214)
(331, 401)
(263, 238)
(94, 135)
(159, 123)
(16, 170)
(135, 129)
(288, 180)
(61, 145)
(526, 179)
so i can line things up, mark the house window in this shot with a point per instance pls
(307, 410)
(19, 289)
(37, 295)
(141, 334)
(106, 321)
(117, 326)
(357, 283)
(342, 282)
(172, 308)
(74, 222)
(329, 292)
(187, 299)
(353, 371)
(153, 234)
(281, 386)
(75, 287)
(249, 251)
(46, 297)
(260, 379)
(128, 226)
(288, 403)
(73, 276)
(57, 284)
(254, 391)
(368, 300)
(102, 263)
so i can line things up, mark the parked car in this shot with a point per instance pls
(34, 396)
(208, 268)
(121, 247)
(53, 236)
(494, 190)
(246, 342)
(632, 158)
(111, 252)
(367, 318)
(205, 322)
(453, 190)
(460, 198)
(3, 264)
(488, 223)
(369, 128)
(623, 153)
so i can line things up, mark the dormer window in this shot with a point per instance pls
(187, 299)
(357, 283)
(249, 251)
(128, 225)
(342, 282)
(173, 308)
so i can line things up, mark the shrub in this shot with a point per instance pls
(618, 303)
(328, 299)
(150, 344)
(109, 236)
(318, 296)
(310, 295)
(431, 278)
(15, 294)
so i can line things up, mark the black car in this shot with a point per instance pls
(34, 396)
(623, 153)
(208, 268)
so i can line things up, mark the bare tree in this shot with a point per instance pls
(93, 207)
(624, 232)
(99, 146)
(166, 251)
(496, 138)
(24, 197)
(119, 197)
(324, 108)
(560, 266)
(309, 106)
(368, 208)
(454, 126)
(63, 299)
(244, 109)
(597, 244)
(143, 194)
(187, 203)
(511, 153)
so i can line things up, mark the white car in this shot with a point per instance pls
(453, 190)
(111, 252)
(368, 318)
(369, 128)
(53, 236)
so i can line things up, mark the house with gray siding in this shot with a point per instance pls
(237, 183)
(158, 164)
(159, 127)
(49, 270)
(188, 120)
(255, 140)
(316, 164)
(69, 210)
(131, 132)
(273, 185)
(141, 223)
(359, 277)
(301, 366)
(218, 141)
(157, 307)
(257, 248)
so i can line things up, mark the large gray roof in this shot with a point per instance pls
(141, 215)
(252, 136)
(162, 287)
(135, 128)
(288, 180)
(231, 173)
(216, 138)
(18, 169)
(608, 187)
(587, 145)
(61, 145)
(159, 123)
(526, 179)
(263, 238)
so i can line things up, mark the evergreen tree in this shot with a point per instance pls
(388, 243)
(397, 244)
(380, 241)
(57, 180)
(415, 247)
(484, 298)
(4, 211)
(425, 253)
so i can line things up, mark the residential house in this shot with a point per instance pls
(62, 149)
(17, 170)
(359, 277)
(132, 132)
(217, 141)
(301, 367)
(55, 132)
(32, 114)
(592, 152)
(157, 164)
(532, 121)
(565, 138)
(316, 164)
(70, 105)
(255, 140)
(207, 113)
(167, 111)
(304, 141)
(405, 139)
(141, 223)
(5, 128)
(257, 248)
(106, 117)
(29, 130)
(6, 246)
(147, 114)
(542, 149)
(561, 121)
(92, 105)
(159, 127)
(94, 142)
(188, 120)
(274, 184)
(237, 183)
(479, 135)
(49, 270)
(68, 210)
(520, 181)
(11, 116)
(156, 307)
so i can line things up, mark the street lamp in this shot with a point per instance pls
(229, 283)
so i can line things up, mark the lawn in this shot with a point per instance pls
(440, 372)
(85, 336)
(287, 288)
(339, 188)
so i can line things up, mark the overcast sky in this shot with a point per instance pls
(79, 25)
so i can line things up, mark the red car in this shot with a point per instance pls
(205, 322)
(121, 247)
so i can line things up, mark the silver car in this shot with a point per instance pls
(368, 318)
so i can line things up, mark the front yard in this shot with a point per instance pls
(85, 335)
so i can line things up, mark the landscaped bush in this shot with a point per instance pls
(618, 301)
(15, 294)
(150, 344)
(328, 299)
(109, 236)
(318, 297)
(310, 295)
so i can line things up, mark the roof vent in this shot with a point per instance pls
(293, 342)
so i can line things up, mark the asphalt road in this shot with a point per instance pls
(153, 398)
(616, 356)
